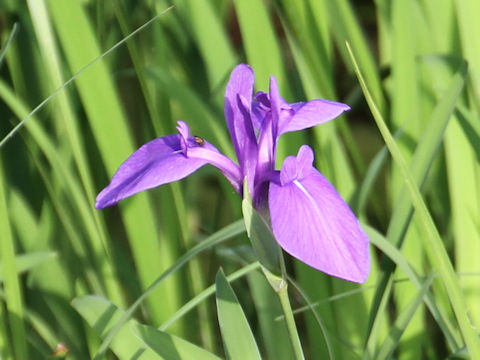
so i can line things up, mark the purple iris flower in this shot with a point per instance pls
(309, 218)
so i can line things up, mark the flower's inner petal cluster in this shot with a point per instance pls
(309, 218)
(314, 224)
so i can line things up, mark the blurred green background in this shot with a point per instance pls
(90, 89)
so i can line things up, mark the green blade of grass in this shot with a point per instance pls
(346, 28)
(26, 262)
(307, 30)
(66, 117)
(468, 24)
(169, 346)
(263, 52)
(215, 239)
(5, 47)
(453, 23)
(46, 145)
(102, 316)
(402, 212)
(405, 115)
(402, 263)
(268, 308)
(170, 233)
(13, 292)
(402, 321)
(205, 294)
(432, 242)
(102, 105)
(216, 51)
(319, 322)
(236, 333)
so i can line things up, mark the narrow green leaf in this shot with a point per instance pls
(11, 283)
(443, 321)
(215, 239)
(25, 262)
(263, 241)
(346, 28)
(432, 242)
(205, 294)
(467, 11)
(170, 347)
(403, 210)
(5, 47)
(236, 333)
(212, 40)
(401, 323)
(102, 316)
(263, 52)
(102, 105)
(268, 307)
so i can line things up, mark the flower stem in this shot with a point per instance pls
(282, 293)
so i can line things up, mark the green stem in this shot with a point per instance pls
(282, 293)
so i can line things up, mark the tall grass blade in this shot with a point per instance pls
(192, 303)
(236, 333)
(169, 346)
(11, 282)
(443, 321)
(432, 242)
(215, 239)
(263, 52)
(26, 262)
(102, 316)
(210, 36)
(5, 47)
(401, 323)
(105, 114)
(421, 162)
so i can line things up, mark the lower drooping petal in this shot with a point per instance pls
(314, 224)
(165, 160)
(158, 162)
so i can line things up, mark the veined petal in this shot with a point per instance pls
(270, 108)
(238, 102)
(276, 102)
(165, 160)
(314, 224)
(158, 162)
(260, 108)
(312, 113)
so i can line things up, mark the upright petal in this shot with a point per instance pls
(267, 139)
(314, 224)
(162, 161)
(276, 102)
(312, 113)
(238, 103)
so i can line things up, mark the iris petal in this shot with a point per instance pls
(158, 162)
(314, 224)
(238, 103)
(165, 160)
(312, 113)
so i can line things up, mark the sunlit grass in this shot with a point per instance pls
(88, 89)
